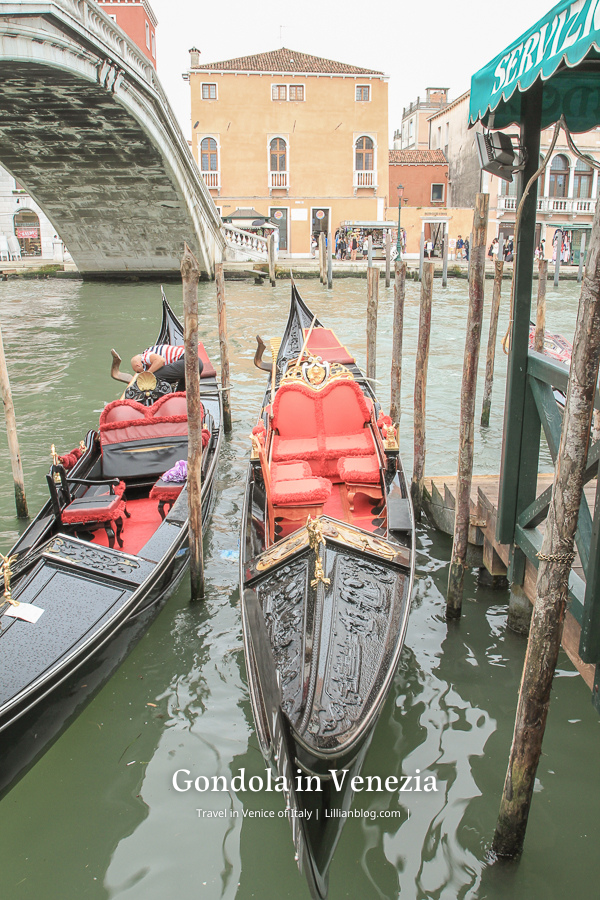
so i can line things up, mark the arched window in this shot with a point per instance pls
(208, 155)
(509, 188)
(278, 155)
(27, 230)
(559, 177)
(363, 157)
(582, 182)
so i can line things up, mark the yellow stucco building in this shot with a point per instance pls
(300, 139)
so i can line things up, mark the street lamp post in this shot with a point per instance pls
(400, 190)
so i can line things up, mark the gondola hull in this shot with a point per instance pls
(324, 612)
(97, 603)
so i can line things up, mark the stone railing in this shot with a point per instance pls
(560, 205)
(212, 180)
(244, 244)
(279, 180)
(366, 179)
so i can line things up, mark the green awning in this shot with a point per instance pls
(554, 50)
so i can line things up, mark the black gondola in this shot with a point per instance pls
(327, 563)
(100, 559)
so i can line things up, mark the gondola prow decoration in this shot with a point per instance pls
(5, 569)
(315, 539)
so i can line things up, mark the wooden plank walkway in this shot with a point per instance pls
(486, 551)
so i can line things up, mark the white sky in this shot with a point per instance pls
(419, 44)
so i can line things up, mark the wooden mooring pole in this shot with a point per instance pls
(329, 261)
(477, 250)
(388, 257)
(422, 360)
(421, 255)
(445, 260)
(190, 273)
(540, 318)
(271, 255)
(223, 347)
(581, 258)
(398, 327)
(555, 560)
(11, 434)
(322, 257)
(491, 347)
(372, 304)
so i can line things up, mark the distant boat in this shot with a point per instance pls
(99, 561)
(555, 346)
(327, 565)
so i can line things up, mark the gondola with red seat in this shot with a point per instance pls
(326, 570)
(101, 558)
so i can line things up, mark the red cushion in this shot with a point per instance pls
(290, 471)
(300, 492)
(166, 490)
(287, 450)
(171, 405)
(109, 507)
(295, 411)
(348, 445)
(209, 370)
(344, 408)
(124, 411)
(324, 343)
(359, 470)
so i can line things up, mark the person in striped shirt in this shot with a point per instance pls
(164, 360)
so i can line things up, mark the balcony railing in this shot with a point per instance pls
(366, 179)
(212, 180)
(562, 205)
(279, 180)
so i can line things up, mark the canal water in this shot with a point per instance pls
(97, 817)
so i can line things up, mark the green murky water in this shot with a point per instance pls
(98, 817)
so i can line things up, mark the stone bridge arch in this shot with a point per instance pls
(86, 127)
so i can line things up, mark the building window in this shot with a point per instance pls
(278, 163)
(296, 92)
(279, 92)
(147, 36)
(278, 154)
(208, 155)
(209, 92)
(153, 46)
(437, 193)
(363, 157)
(363, 92)
(209, 162)
(582, 182)
(559, 177)
(411, 131)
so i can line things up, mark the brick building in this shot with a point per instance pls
(423, 175)
(137, 20)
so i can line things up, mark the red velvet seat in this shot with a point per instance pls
(321, 425)
(102, 505)
(300, 491)
(362, 469)
(361, 475)
(291, 470)
(166, 492)
(142, 440)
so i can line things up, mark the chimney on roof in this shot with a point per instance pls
(194, 58)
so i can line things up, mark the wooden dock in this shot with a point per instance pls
(487, 553)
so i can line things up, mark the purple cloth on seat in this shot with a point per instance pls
(177, 473)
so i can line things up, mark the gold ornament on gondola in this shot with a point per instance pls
(5, 569)
(146, 382)
(315, 539)
(55, 462)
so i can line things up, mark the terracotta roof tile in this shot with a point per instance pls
(285, 60)
(417, 157)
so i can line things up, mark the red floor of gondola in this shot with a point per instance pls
(137, 530)
(337, 507)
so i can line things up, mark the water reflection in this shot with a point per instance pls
(97, 817)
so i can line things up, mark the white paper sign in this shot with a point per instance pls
(24, 611)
